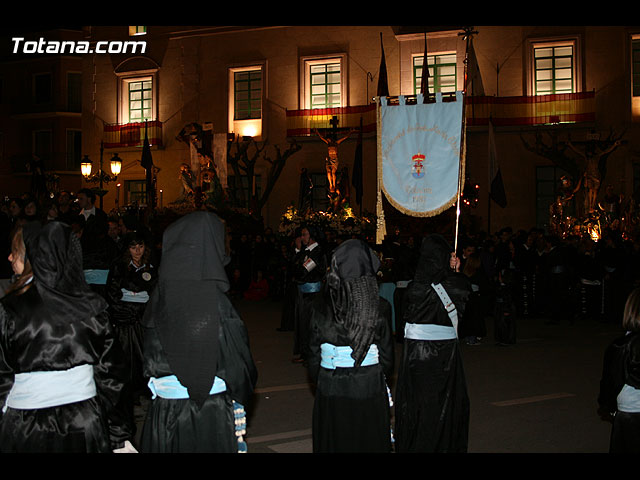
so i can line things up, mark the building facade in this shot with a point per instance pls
(541, 87)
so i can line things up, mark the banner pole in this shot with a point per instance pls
(468, 31)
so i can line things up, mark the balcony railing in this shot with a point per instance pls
(503, 111)
(132, 134)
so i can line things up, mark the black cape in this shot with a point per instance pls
(351, 410)
(431, 404)
(57, 324)
(193, 332)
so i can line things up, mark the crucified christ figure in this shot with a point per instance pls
(591, 176)
(331, 161)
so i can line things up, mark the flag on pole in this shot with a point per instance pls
(147, 163)
(356, 180)
(424, 82)
(496, 189)
(474, 78)
(383, 84)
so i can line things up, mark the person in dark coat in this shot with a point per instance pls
(619, 396)
(98, 248)
(402, 270)
(291, 294)
(432, 404)
(130, 283)
(310, 267)
(196, 347)
(351, 356)
(62, 369)
(472, 325)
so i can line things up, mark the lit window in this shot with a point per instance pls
(324, 82)
(553, 69)
(442, 73)
(635, 66)
(325, 85)
(138, 99)
(554, 66)
(247, 88)
(245, 100)
(137, 30)
(635, 78)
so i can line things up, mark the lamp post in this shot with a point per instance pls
(100, 176)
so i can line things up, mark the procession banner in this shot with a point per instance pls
(419, 157)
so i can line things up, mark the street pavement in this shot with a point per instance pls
(538, 396)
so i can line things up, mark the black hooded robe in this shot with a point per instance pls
(192, 331)
(431, 401)
(351, 411)
(57, 324)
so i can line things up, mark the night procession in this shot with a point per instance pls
(315, 239)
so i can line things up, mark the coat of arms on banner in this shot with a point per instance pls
(418, 166)
(419, 154)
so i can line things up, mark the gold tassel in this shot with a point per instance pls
(381, 228)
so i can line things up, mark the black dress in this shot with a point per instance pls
(182, 425)
(621, 370)
(351, 411)
(56, 325)
(193, 334)
(431, 401)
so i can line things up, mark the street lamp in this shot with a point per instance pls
(100, 176)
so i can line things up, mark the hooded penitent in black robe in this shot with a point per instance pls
(57, 324)
(351, 411)
(431, 401)
(621, 371)
(193, 332)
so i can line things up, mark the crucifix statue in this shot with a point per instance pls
(591, 176)
(331, 161)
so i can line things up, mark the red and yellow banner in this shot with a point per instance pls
(531, 110)
(303, 122)
(504, 111)
(132, 134)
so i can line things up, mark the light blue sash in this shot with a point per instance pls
(333, 357)
(418, 331)
(170, 387)
(96, 276)
(629, 399)
(134, 297)
(310, 287)
(35, 390)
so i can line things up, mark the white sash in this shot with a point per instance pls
(448, 305)
(35, 390)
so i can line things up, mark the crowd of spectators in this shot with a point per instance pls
(513, 273)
